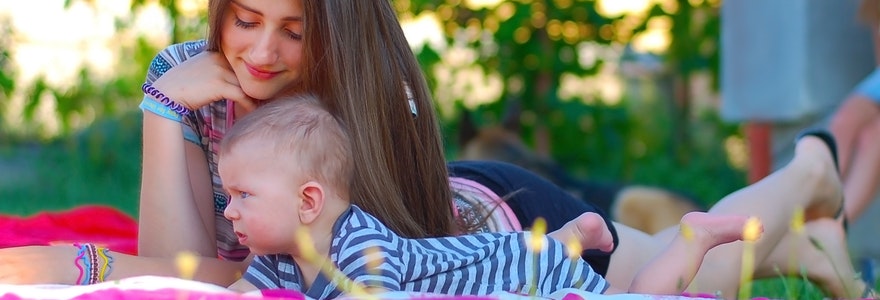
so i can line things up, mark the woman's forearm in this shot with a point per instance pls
(169, 220)
(207, 269)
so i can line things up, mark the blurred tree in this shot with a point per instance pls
(695, 32)
(91, 97)
(188, 17)
(534, 44)
(7, 74)
(530, 44)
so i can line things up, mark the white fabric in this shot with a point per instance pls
(198, 290)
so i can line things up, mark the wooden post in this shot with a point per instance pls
(758, 137)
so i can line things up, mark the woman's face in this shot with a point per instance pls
(262, 40)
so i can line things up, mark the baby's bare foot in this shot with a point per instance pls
(712, 230)
(589, 229)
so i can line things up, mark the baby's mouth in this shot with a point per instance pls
(241, 237)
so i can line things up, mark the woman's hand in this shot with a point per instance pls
(38, 265)
(201, 80)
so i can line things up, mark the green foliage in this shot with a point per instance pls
(98, 165)
(533, 44)
(90, 96)
(629, 142)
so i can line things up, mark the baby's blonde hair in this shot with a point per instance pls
(301, 132)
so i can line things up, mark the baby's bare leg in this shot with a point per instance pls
(589, 230)
(671, 271)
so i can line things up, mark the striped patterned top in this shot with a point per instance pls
(478, 264)
(207, 126)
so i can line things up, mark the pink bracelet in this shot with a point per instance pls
(156, 94)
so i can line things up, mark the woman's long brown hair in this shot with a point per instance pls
(357, 58)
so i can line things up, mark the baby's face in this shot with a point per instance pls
(263, 203)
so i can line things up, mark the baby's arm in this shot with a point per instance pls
(263, 274)
(370, 258)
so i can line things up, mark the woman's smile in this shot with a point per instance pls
(260, 73)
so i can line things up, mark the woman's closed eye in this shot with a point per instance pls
(293, 35)
(246, 25)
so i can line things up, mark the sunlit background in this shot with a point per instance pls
(622, 90)
(55, 42)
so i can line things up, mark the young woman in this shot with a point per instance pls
(355, 52)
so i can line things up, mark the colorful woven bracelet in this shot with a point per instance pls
(153, 106)
(107, 267)
(79, 256)
(89, 272)
(162, 98)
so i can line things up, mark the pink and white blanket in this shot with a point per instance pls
(117, 231)
(152, 287)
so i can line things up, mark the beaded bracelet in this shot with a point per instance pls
(93, 263)
(156, 94)
(89, 271)
(153, 106)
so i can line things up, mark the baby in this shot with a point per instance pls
(288, 166)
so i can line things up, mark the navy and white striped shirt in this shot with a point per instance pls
(478, 264)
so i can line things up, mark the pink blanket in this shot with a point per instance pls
(117, 231)
(152, 287)
(102, 225)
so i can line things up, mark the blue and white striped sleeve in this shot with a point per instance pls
(263, 273)
(370, 257)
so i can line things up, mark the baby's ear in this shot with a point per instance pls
(312, 195)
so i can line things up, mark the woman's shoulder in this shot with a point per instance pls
(174, 55)
(185, 49)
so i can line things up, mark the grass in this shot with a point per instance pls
(101, 165)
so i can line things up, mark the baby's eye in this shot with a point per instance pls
(244, 195)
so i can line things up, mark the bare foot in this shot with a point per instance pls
(712, 230)
(589, 229)
(814, 156)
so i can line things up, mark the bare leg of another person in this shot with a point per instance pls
(675, 267)
(860, 182)
(810, 180)
(850, 126)
(829, 266)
